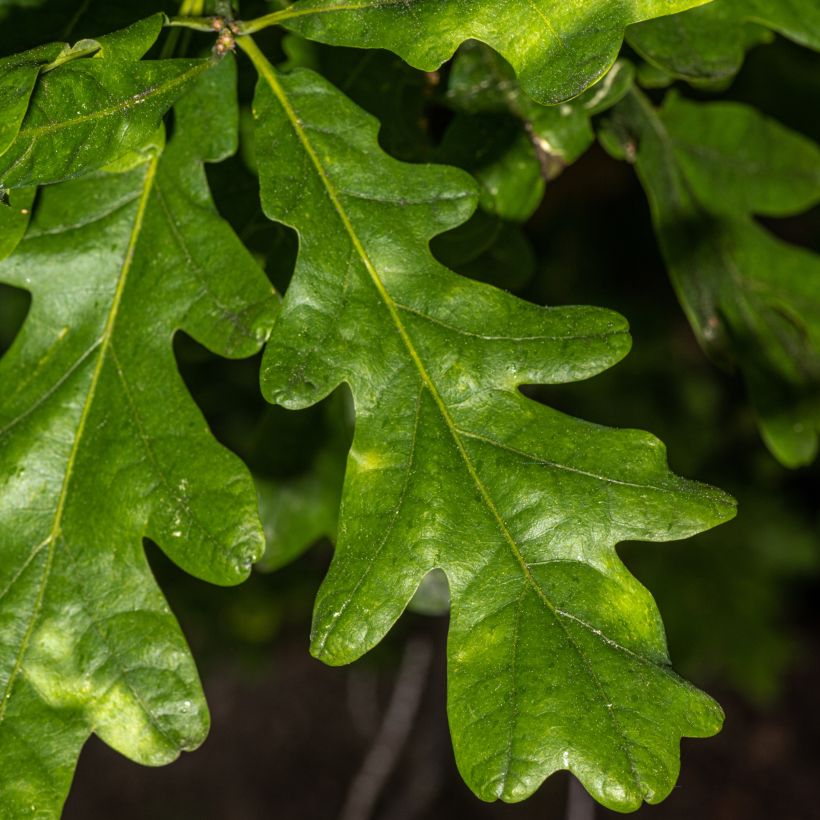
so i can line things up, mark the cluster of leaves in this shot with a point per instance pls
(457, 490)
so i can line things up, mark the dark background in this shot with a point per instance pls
(290, 736)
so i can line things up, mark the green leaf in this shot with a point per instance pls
(557, 658)
(488, 249)
(88, 112)
(741, 581)
(300, 510)
(504, 161)
(709, 43)
(752, 299)
(557, 49)
(18, 75)
(102, 447)
(298, 513)
(378, 81)
(512, 165)
(14, 219)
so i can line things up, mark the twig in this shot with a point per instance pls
(384, 754)
(580, 806)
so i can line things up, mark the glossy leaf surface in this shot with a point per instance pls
(557, 657)
(102, 447)
(752, 299)
(18, 75)
(558, 49)
(87, 112)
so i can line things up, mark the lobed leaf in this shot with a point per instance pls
(87, 112)
(557, 656)
(557, 49)
(751, 298)
(710, 42)
(102, 447)
(18, 76)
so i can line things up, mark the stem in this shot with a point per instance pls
(259, 60)
(250, 26)
(267, 20)
(580, 806)
(69, 29)
(194, 23)
(188, 9)
(395, 730)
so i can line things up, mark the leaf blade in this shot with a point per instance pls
(446, 449)
(557, 51)
(103, 447)
(751, 299)
(89, 112)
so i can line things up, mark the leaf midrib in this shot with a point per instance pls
(105, 341)
(34, 132)
(268, 73)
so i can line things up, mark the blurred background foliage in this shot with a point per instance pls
(739, 603)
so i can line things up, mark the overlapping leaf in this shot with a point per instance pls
(709, 43)
(101, 446)
(14, 218)
(301, 509)
(558, 49)
(557, 657)
(751, 298)
(29, 23)
(512, 165)
(88, 112)
(18, 75)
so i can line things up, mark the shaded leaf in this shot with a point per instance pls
(300, 510)
(28, 23)
(14, 219)
(709, 43)
(18, 75)
(379, 82)
(557, 656)
(102, 447)
(510, 143)
(752, 299)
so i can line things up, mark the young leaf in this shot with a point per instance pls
(557, 657)
(102, 446)
(88, 112)
(751, 298)
(723, 31)
(557, 49)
